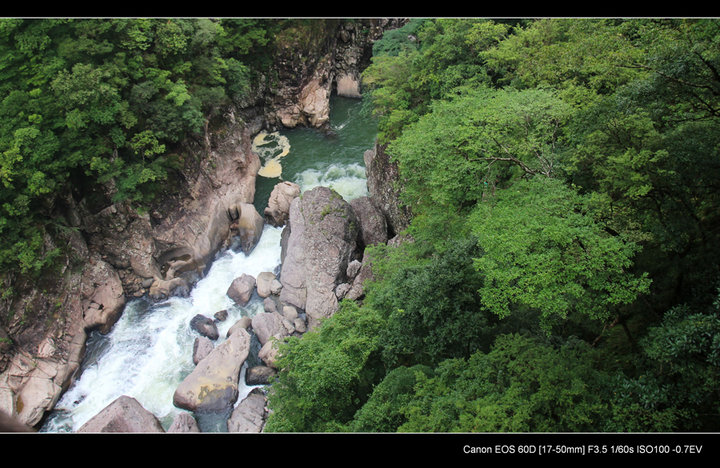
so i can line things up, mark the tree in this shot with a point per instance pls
(327, 374)
(480, 138)
(542, 249)
(521, 385)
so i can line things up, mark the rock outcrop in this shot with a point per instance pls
(382, 177)
(321, 242)
(125, 414)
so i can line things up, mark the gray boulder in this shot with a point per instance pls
(205, 326)
(249, 415)
(259, 375)
(249, 226)
(278, 209)
(241, 289)
(264, 283)
(373, 226)
(124, 414)
(321, 242)
(201, 348)
(213, 385)
(184, 422)
(267, 325)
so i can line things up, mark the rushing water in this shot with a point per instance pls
(149, 350)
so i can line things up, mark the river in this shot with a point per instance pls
(149, 350)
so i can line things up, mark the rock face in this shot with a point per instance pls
(328, 59)
(322, 241)
(125, 414)
(382, 175)
(372, 221)
(213, 385)
(278, 209)
(43, 355)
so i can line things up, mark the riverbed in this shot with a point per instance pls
(149, 350)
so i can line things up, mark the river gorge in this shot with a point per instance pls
(149, 350)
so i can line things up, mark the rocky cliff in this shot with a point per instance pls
(115, 252)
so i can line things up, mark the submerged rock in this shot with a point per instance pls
(125, 414)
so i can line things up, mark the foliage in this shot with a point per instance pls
(470, 143)
(542, 249)
(383, 411)
(431, 305)
(521, 385)
(401, 81)
(88, 102)
(327, 374)
(679, 378)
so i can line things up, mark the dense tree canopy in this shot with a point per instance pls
(561, 270)
(105, 101)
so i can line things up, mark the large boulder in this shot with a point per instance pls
(259, 375)
(124, 414)
(264, 283)
(321, 242)
(213, 385)
(205, 326)
(278, 209)
(267, 325)
(249, 225)
(241, 289)
(249, 415)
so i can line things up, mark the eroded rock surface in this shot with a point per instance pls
(125, 414)
(322, 241)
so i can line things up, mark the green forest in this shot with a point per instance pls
(561, 268)
(87, 104)
(560, 272)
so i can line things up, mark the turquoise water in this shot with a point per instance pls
(333, 160)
